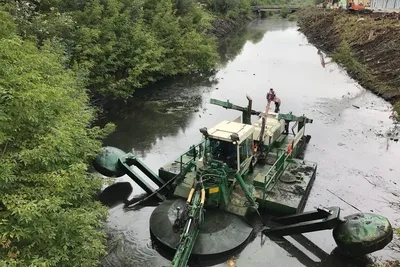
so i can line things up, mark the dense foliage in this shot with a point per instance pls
(120, 45)
(47, 213)
(232, 8)
(52, 52)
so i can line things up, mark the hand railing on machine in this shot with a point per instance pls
(194, 151)
(276, 171)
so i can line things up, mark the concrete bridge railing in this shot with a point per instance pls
(273, 8)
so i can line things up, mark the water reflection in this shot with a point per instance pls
(322, 58)
(231, 46)
(283, 59)
(167, 107)
(161, 110)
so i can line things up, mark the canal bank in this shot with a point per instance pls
(355, 162)
(366, 44)
(222, 27)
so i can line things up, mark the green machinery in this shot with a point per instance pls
(239, 168)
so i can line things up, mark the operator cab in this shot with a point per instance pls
(228, 142)
(223, 151)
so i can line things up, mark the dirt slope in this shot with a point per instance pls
(367, 45)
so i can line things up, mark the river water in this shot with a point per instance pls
(357, 166)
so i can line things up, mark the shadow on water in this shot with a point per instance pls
(162, 120)
(302, 248)
(308, 254)
(160, 110)
(203, 261)
(166, 107)
(115, 194)
(232, 45)
(318, 257)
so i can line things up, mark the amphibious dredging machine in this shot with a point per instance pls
(238, 169)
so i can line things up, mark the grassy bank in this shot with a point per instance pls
(366, 45)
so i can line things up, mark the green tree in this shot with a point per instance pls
(185, 48)
(126, 44)
(47, 213)
(233, 9)
(116, 47)
(184, 6)
(284, 11)
(223, 6)
(123, 44)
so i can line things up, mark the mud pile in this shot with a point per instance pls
(368, 46)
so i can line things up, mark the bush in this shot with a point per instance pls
(47, 213)
(119, 44)
(284, 11)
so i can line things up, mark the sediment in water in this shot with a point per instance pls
(367, 45)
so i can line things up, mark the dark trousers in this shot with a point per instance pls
(277, 105)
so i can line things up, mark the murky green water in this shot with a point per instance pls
(356, 163)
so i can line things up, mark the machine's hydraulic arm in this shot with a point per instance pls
(192, 218)
(290, 117)
(248, 111)
(229, 105)
(311, 221)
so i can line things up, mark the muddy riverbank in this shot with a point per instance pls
(222, 27)
(356, 162)
(367, 45)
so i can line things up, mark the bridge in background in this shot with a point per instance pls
(260, 9)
